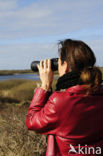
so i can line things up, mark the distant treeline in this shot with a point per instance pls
(13, 72)
(25, 71)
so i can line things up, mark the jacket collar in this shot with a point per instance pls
(81, 89)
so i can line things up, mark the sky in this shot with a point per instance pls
(31, 29)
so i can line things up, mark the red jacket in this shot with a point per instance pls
(72, 122)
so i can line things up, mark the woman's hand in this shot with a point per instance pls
(46, 74)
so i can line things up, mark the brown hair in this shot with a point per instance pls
(80, 58)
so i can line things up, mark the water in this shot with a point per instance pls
(21, 76)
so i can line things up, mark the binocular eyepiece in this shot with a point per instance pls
(54, 65)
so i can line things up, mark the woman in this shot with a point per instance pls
(71, 116)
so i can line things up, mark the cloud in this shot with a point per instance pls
(30, 29)
(6, 5)
(49, 18)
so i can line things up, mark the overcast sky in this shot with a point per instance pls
(30, 29)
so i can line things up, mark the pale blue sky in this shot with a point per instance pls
(30, 29)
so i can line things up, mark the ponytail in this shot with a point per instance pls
(92, 77)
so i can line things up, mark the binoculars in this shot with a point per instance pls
(54, 65)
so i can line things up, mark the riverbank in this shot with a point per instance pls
(18, 90)
(15, 72)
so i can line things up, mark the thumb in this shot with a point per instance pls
(38, 66)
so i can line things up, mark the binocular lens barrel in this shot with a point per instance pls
(54, 65)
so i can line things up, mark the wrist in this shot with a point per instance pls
(45, 87)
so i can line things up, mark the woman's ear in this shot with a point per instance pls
(66, 67)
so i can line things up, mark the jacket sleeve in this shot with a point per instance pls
(42, 116)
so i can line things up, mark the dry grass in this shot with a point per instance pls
(17, 90)
(101, 68)
(20, 90)
(15, 139)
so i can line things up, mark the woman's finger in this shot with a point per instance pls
(41, 64)
(49, 64)
(45, 64)
(38, 66)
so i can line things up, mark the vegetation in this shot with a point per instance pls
(15, 139)
(13, 72)
(101, 68)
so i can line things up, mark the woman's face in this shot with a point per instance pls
(62, 68)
